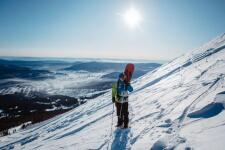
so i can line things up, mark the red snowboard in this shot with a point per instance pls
(129, 72)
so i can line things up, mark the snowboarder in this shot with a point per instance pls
(120, 97)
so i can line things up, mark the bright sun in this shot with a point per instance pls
(132, 17)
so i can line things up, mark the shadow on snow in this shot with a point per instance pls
(208, 111)
(120, 139)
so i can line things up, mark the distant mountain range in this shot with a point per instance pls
(103, 66)
(113, 68)
(15, 71)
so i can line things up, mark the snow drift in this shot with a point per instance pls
(180, 105)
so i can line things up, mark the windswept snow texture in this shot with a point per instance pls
(177, 106)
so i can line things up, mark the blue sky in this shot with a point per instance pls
(96, 29)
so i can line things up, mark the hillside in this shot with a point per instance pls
(177, 106)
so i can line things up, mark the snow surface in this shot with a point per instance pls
(180, 105)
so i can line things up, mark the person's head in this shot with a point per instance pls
(122, 76)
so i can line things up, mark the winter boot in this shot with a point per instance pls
(125, 126)
(120, 122)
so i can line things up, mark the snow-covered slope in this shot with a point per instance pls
(178, 106)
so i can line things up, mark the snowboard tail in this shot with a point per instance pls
(129, 69)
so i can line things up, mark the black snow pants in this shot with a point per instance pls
(122, 113)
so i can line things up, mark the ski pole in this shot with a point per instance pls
(111, 128)
(112, 120)
(112, 114)
(121, 107)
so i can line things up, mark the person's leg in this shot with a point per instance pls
(125, 114)
(118, 111)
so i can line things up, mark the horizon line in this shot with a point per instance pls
(87, 58)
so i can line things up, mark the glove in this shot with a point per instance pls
(113, 99)
(130, 88)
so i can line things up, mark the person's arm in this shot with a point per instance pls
(118, 85)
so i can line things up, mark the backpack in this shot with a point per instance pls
(114, 92)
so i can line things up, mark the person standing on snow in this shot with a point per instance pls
(120, 97)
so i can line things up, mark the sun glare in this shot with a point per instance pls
(132, 17)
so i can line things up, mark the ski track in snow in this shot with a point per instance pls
(161, 110)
